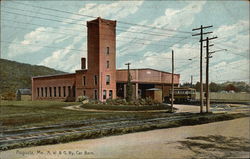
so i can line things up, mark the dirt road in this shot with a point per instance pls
(220, 139)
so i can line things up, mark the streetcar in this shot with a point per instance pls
(183, 95)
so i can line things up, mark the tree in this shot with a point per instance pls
(230, 87)
(197, 86)
(214, 87)
(129, 89)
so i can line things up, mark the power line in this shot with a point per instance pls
(40, 30)
(55, 16)
(154, 34)
(78, 35)
(40, 46)
(80, 30)
(11, 20)
(173, 30)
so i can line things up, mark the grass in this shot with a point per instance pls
(18, 114)
(25, 114)
(195, 120)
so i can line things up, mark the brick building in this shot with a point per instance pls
(100, 80)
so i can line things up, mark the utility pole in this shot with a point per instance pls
(207, 71)
(191, 83)
(172, 89)
(128, 69)
(201, 48)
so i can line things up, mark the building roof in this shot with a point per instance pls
(64, 74)
(146, 69)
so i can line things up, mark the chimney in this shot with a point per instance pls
(83, 63)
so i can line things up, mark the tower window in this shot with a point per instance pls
(107, 50)
(84, 80)
(95, 94)
(107, 79)
(84, 93)
(110, 94)
(104, 94)
(107, 64)
(95, 79)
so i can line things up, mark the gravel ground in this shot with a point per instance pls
(220, 139)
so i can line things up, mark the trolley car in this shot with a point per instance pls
(183, 95)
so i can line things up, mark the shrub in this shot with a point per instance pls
(117, 101)
(82, 98)
(137, 102)
(94, 102)
(8, 96)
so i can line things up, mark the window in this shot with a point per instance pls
(74, 91)
(64, 91)
(107, 79)
(42, 91)
(104, 94)
(84, 93)
(107, 50)
(95, 94)
(84, 80)
(59, 91)
(107, 64)
(110, 94)
(69, 91)
(96, 79)
(50, 91)
(54, 91)
(46, 91)
(38, 92)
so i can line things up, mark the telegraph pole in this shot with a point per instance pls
(207, 77)
(128, 70)
(207, 71)
(129, 87)
(172, 89)
(191, 83)
(201, 48)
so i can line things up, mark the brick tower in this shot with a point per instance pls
(102, 57)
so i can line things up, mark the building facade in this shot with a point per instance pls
(99, 80)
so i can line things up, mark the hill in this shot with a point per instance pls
(15, 75)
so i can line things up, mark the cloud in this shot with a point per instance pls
(229, 71)
(66, 59)
(234, 37)
(116, 10)
(33, 41)
(223, 65)
(173, 19)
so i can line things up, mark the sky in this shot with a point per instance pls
(53, 34)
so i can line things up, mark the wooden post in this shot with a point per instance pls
(172, 89)
(207, 77)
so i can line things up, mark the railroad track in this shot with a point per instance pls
(30, 135)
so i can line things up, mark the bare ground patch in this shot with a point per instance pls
(216, 146)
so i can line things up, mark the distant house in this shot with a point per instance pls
(23, 94)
